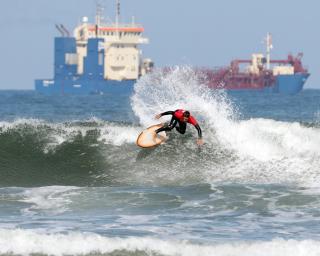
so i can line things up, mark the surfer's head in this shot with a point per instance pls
(186, 115)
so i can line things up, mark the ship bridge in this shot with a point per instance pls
(118, 46)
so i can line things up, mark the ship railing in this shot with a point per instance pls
(122, 25)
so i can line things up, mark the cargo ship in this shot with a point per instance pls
(286, 76)
(99, 58)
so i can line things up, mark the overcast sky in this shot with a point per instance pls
(199, 33)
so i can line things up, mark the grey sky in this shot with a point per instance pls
(201, 33)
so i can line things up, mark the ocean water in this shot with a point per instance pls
(73, 182)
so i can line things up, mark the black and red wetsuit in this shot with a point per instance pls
(177, 118)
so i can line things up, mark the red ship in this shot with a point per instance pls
(283, 76)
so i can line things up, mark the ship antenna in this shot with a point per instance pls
(269, 47)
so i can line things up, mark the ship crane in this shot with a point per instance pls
(63, 31)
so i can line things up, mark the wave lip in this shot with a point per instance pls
(27, 242)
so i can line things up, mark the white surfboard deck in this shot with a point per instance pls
(148, 138)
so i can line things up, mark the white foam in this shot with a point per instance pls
(26, 242)
(119, 135)
(52, 199)
(268, 139)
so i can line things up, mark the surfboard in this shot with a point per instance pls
(148, 138)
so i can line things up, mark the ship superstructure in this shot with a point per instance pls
(261, 73)
(100, 58)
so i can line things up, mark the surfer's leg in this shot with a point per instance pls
(167, 127)
(182, 127)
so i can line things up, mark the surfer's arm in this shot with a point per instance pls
(164, 114)
(199, 131)
(199, 140)
(167, 113)
(194, 122)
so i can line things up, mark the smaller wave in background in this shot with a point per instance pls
(31, 242)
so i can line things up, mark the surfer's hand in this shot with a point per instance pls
(200, 142)
(157, 116)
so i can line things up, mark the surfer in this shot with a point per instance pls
(181, 117)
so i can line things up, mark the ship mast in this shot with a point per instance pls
(98, 14)
(117, 16)
(269, 47)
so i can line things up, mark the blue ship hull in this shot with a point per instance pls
(84, 87)
(284, 84)
(290, 84)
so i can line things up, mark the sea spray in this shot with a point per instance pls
(259, 149)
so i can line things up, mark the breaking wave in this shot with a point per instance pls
(95, 152)
(258, 150)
